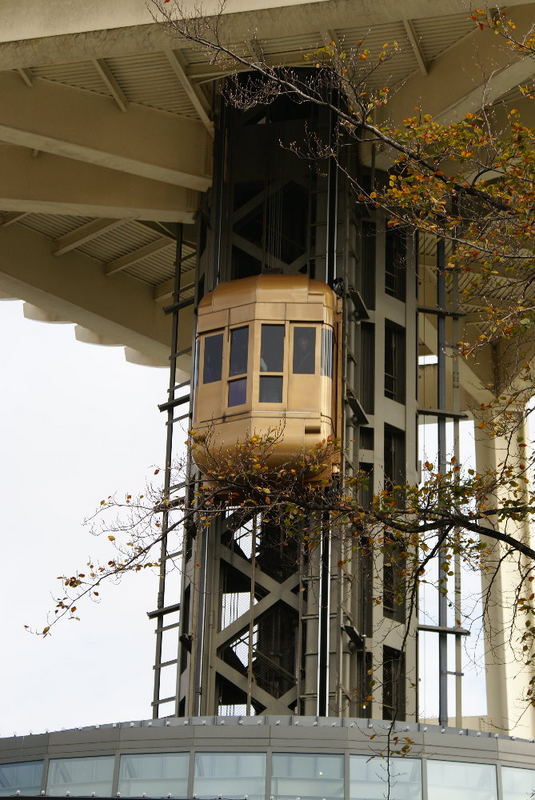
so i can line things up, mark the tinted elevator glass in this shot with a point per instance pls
(239, 343)
(270, 389)
(327, 352)
(304, 356)
(213, 356)
(237, 392)
(272, 349)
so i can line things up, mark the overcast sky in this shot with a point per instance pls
(77, 423)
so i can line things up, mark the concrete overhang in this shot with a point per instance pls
(106, 116)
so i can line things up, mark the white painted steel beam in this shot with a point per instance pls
(54, 185)
(11, 217)
(110, 82)
(194, 93)
(85, 233)
(84, 126)
(74, 288)
(120, 264)
(26, 76)
(479, 69)
(415, 44)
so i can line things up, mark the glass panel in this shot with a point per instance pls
(394, 361)
(393, 683)
(518, 784)
(154, 774)
(239, 343)
(453, 780)
(304, 351)
(230, 775)
(272, 348)
(327, 352)
(367, 366)
(395, 263)
(369, 778)
(213, 356)
(24, 777)
(270, 389)
(196, 364)
(368, 264)
(80, 776)
(237, 392)
(307, 776)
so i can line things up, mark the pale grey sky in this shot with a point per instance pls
(77, 422)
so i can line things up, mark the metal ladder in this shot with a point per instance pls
(166, 613)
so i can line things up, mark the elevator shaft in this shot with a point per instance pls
(268, 623)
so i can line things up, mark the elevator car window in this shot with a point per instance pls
(270, 389)
(213, 356)
(272, 348)
(327, 352)
(304, 355)
(237, 392)
(239, 343)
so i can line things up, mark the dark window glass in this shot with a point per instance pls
(365, 586)
(304, 361)
(237, 392)
(327, 352)
(272, 348)
(364, 689)
(239, 343)
(368, 264)
(367, 366)
(394, 461)
(366, 438)
(213, 356)
(393, 580)
(394, 362)
(393, 684)
(396, 263)
(365, 493)
(394, 455)
(196, 363)
(270, 389)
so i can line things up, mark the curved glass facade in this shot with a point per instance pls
(154, 775)
(274, 776)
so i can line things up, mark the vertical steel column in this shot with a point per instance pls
(323, 685)
(324, 618)
(217, 208)
(456, 405)
(441, 458)
(332, 207)
(250, 633)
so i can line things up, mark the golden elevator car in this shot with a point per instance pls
(268, 358)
